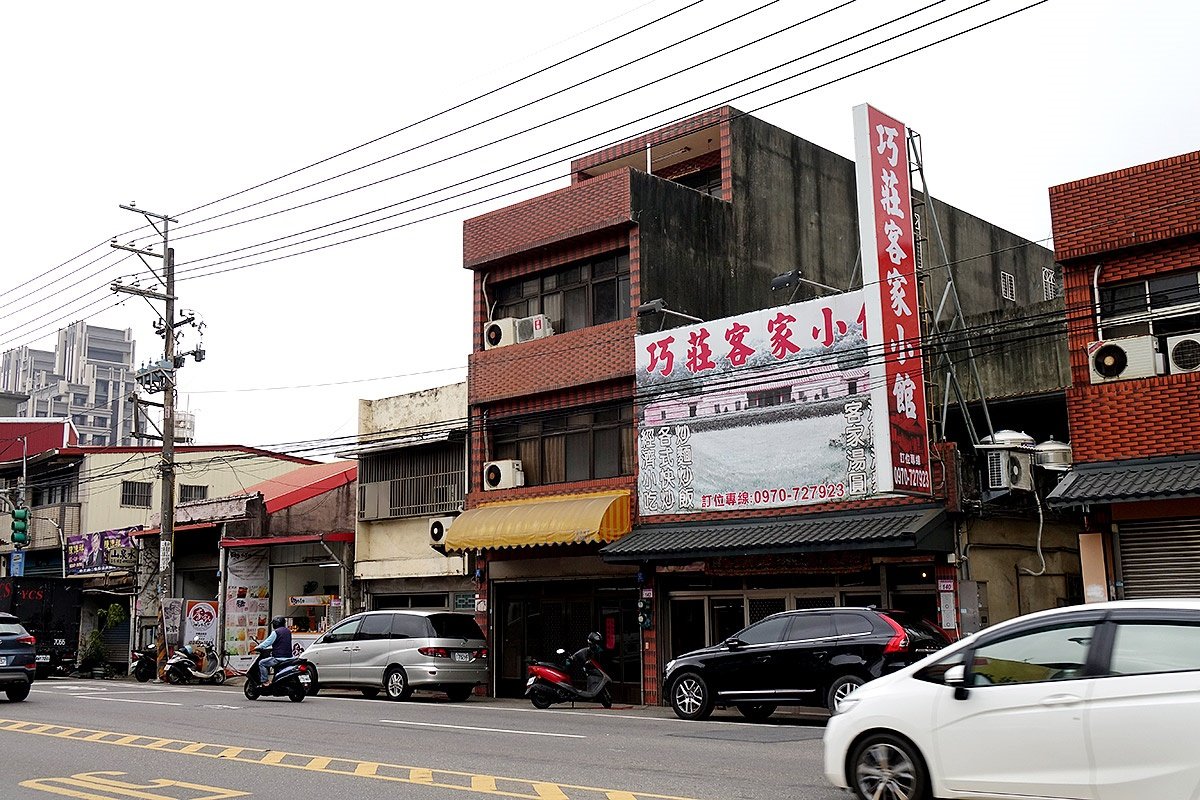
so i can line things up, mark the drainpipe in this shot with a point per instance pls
(223, 556)
(1096, 300)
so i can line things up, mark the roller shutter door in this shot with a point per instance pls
(1160, 558)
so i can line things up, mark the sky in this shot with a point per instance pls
(173, 106)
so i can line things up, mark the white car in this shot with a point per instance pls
(1095, 702)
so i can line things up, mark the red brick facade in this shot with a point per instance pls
(1132, 223)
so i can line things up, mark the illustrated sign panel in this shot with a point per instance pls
(889, 261)
(766, 409)
(247, 602)
(102, 551)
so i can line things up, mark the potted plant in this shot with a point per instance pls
(91, 652)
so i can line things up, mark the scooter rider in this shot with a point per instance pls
(279, 644)
(593, 650)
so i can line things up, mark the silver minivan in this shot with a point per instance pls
(398, 651)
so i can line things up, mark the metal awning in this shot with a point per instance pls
(299, 538)
(924, 528)
(187, 526)
(568, 519)
(1128, 481)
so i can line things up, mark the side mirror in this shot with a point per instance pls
(733, 643)
(956, 676)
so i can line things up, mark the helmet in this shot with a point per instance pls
(594, 639)
(278, 622)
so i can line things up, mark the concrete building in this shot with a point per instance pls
(88, 379)
(702, 216)
(1129, 245)
(411, 485)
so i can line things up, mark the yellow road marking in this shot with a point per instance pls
(396, 773)
(84, 785)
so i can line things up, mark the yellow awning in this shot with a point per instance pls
(567, 519)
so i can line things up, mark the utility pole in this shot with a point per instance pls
(161, 377)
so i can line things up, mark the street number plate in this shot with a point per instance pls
(462, 656)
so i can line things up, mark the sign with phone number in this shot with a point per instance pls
(774, 496)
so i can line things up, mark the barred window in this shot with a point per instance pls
(136, 494)
(1049, 283)
(411, 482)
(1008, 286)
(580, 445)
(190, 492)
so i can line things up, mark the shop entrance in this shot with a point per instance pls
(533, 620)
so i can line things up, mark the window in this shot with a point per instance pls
(1043, 655)
(136, 494)
(191, 492)
(852, 624)
(1163, 305)
(409, 626)
(766, 632)
(375, 626)
(1049, 283)
(342, 633)
(810, 626)
(576, 296)
(1008, 286)
(414, 482)
(599, 443)
(1141, 649)
(706, 181)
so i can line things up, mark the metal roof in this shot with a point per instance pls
(1128, 481)
(908, 527)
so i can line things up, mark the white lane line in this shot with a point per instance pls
(484, 730)
(125, 700)
(610, 715)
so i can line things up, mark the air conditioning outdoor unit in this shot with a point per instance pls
(1124, 359)
(516, 330)
(536, 327)
(1010, 469)
(1184, 352)
(503, 475)
(437, 529)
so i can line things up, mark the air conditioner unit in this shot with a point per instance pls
(437, 529)
(1010, 469)
(503, 475)
(536, 327)
(1124, 359)
(1183, 352)
(500, 333)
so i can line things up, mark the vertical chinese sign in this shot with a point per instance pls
(890, 290)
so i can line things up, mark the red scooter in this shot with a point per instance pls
(555, 683)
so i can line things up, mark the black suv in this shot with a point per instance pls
(811, 657)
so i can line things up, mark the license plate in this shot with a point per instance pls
(43, 659)
(462, 656)
(305, 679)
(530, 682)
(3, 661)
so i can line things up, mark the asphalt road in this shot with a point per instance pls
(120, 740)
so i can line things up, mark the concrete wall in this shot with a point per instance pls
(399, 548)
(1017, 351)
(439, 404)
(996, 548)
(335, 510)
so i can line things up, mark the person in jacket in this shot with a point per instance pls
(278, 644)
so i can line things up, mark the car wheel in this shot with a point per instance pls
(372, 692)
(314, 686)
(250, 690)
(395, 684)
(690, 698)
(840, 688)
(757, 712)
(459, 694)
(17, 693)
(886, 767)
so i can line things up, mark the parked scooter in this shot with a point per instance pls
(145, 663)
(292, 679)
(184, 664)
(554, 683)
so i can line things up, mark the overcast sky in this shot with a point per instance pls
(175, 105)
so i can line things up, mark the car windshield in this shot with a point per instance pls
(11, 628)
(455, 626)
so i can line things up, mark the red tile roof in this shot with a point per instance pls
(304, 483)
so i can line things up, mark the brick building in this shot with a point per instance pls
(1129, 245)
(694, 220)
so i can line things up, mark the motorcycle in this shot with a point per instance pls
(549, 683)
(292, 679)
(145, 664)
(184, 665)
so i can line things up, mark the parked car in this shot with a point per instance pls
(1097, 701)
(18, 659)
(399, 651)
(808, 657)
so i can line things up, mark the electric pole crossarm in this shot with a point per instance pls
(137, 250)
(120, 287)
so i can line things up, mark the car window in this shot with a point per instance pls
(375, 626)
(919, 628)
(1042, 655)
(409, 626)
(936, 672)
(11, 627)
(768, 631)
(810, 626)
(1142, 648)
(343, 632)
(455, 626)
(851, 624)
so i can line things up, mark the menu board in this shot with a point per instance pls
(247, 603)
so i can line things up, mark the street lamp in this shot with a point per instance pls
(659, 306)
(794, 277)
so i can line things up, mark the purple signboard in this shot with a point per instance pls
(102, 551)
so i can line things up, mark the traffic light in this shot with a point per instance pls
(20, 527)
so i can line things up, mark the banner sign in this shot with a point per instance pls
(247, 602)
(172, 611)
(889, 262)
(200, 621)
(103, 551)
(717, 400)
